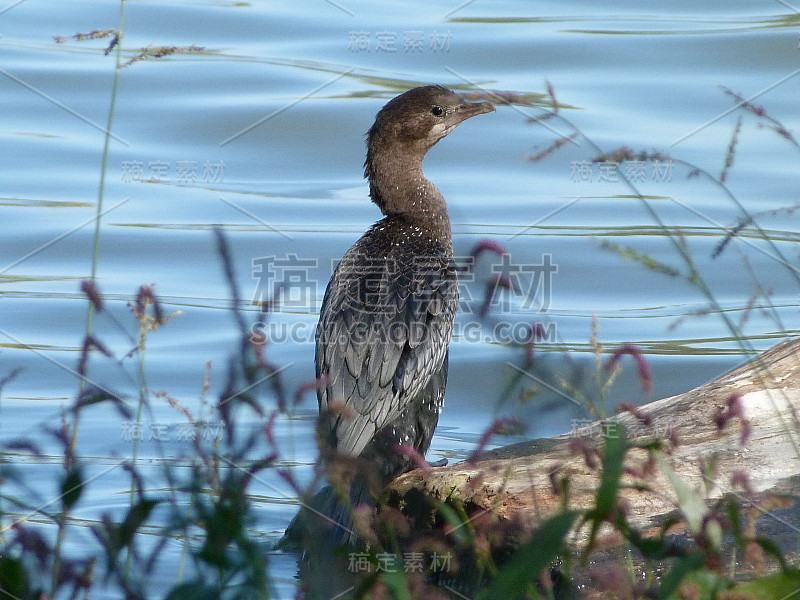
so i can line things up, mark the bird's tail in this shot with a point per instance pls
(328, 517)
(338, 513)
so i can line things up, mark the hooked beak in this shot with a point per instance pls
(465, 110)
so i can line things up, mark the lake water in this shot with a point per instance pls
(261, 133)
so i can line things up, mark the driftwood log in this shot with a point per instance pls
(745, 424)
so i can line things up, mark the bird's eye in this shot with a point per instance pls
(437, 110)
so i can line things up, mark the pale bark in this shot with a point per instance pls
(515, 482)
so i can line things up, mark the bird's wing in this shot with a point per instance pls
(383, 332)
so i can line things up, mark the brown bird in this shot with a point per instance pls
(389, 308)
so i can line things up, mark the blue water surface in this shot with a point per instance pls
(259, 130)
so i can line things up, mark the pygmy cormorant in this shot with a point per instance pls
(388, 312)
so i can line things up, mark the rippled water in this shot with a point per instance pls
(261, 133)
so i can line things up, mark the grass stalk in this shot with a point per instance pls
(62, 519)
(144, 326)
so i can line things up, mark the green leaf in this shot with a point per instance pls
(459, 525)
(771, 548)
(773, 587)
(529, 560)
(395, 579)
(613, 459)
(193, 591)
(71, 488)
(704, 584)
(714, 534)
(653, 548)
(135, 518)
(735, 519)
(689, 501)
(13, 580)
(119, 536)
(679, 570)
(97, 396)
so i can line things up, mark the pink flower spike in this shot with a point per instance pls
(411, 453)
(535, 330)
(644, 369)
(642, 416)
(486, 245)
(314, 384)
(552, 93)
(89, 288)
(498, 280)
(499, 426)
(735, 406)
(741, 479)
(268, 429)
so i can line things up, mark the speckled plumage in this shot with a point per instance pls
(386, 322)
(388, 312)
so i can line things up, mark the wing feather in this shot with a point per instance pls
(383, 332)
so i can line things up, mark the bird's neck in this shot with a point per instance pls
(399, 188)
